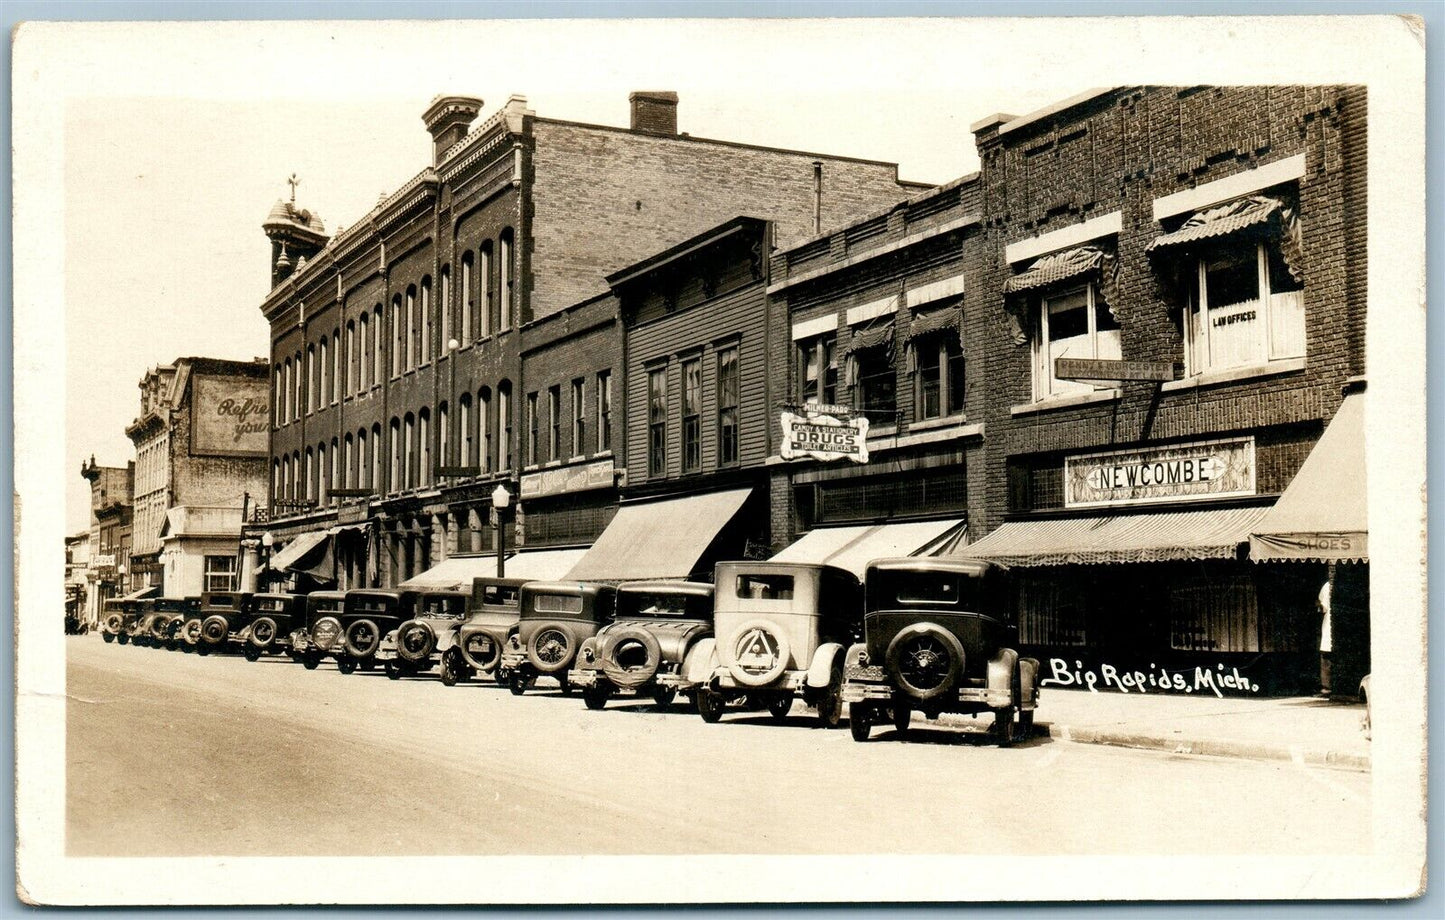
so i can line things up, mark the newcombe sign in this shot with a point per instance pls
(824, 435)
(1179, 472)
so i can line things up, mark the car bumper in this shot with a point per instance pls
(855, 691)
(585, 677)
(512, 660)
(788, 680)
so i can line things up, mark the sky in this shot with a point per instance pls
(164, 194)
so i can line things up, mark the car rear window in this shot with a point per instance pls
(447, 607)
(953, 590)
(272, 605)
(500, 595)
(662, 604)
(557, 603)
(761, 587)
(373, 605)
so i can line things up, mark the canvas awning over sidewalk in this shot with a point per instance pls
(852, 548)
(1214, 533)
(659, 539)
(296, 555)
(456, 572)
(1323, 514)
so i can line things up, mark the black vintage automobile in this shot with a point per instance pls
(319, 633)
(167, 615)
(223, 615)
(938, 637)
(417, 644)
(657, 625)
(276, 616)
(556, 616)
(494, 609)
(368, 615)
(118, 621)
(139, 630)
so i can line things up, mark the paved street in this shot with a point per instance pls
(173, 754)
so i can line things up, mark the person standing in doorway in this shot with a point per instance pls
(1326, 637)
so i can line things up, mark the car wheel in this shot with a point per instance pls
(108, 637)
(902, 715)
(563, 683)
(1005, 727)
(709, 704)
(203, 649)
(451, 670)
(1026, 723)
(517, 683)
(596, 697)
(346, 665)
(392, 671)
(311, 662)
(830, 703)
(251, 652)
(780, 706)
(663, 696)
(122, 638)
(860, 721)
(263, 632)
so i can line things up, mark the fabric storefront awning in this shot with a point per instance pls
(145, 593)
(852, 548)
(1052, 269)
(1215, 533)
(1241, 214)
(1323, 513)
(294, 555)
(659, 539)
(456, 573)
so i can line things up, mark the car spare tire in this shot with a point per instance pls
(924, 660)
(325, 633)
(550, 649)
(756, 654)
(214, 630)
(114, 622)
(263, 632)
(476, 656)
(415, 640)
(362, 638)
(632, 657)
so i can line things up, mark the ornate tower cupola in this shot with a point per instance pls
(296, 234)
(447, 120)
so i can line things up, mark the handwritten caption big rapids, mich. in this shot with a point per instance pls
(1154, 680)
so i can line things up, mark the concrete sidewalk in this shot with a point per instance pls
(1299, 729)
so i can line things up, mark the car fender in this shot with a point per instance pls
(1001, 670)
(1029, 682)
(701, 661)
(820, 672)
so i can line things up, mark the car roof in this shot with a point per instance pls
(693, 588)
(564, 587)
(764, 567)
(932, 564)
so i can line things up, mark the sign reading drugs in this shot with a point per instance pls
(824, 437)
(229, 416)
(1179, 472)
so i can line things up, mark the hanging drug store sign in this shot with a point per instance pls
(824, 436)
(1202, 470)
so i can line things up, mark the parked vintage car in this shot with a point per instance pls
(189, 632)
(319, 633)
(368, 615)
(494, 609)
(223, 615)
(168, 616)
(938, 637)
(555, 618)
(119, 619)
(657, 626)
(415, 646)
(139, 630)
(276, 616)
(782, 631)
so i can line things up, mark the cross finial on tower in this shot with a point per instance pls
(293, 182)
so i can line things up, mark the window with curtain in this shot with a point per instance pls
(818, 369)
(1244, 309)
(466, 455)
(727, 406)
(323, 380)
(409, 462)
(691, 415)
(376, 484)
(1072, 323)
(657, 422)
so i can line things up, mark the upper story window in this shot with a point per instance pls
(413, 330)
(727, 406)
(506, 283)
(483, 313)
(427, 323)
(604, 410)
(1243, 300)
(579, 417)
(533, 435)
(554, 423)
(398, 337)
(468, 305)
(937, 374)
(444, 309)
(504, 425)
(873, 373)
(335, 366)
(657, 421)
(818, 369)
(691, 415)
(310, 378)
(1071, 324)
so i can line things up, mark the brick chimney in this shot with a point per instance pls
(654, 112)
(447, 119)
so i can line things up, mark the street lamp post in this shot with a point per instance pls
(501, 498)
(268, 540)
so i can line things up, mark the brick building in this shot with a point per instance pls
(1215, 237)
(108, 576)
(200, 441)
(516, 221)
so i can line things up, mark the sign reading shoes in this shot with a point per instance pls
(1201, 470)
(824, 434)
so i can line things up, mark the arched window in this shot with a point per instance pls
(394, 483)
(427, 324)
(276, 481)
(507, 281)
(398, 337)
(310, 485)
(297, 400)
(310, 378)
(408, 476)
(348, 469)
(335, 366)
(363, 354)
(335, 481)
(444, 437)
(350, 356)
(484, 429)
(484, 290)
(323, 385)
(468, 305)
(465, 454)
(278, 397)
(444, 310)
(504, 425)
(423, 448)
(285, 491)
(374, 482)
(321, 479)
(413, 329)
(377, 362)
(363, 466)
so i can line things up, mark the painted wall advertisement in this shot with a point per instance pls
(229, 416)
(824, 435)
(580, 478)
(1179, 472)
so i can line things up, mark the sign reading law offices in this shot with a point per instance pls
(229, 416)
(1179, 472)
(824, 433)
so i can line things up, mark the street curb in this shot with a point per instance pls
(1209, 747)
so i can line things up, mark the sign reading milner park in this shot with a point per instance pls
(229, 416)
(1201, 470)
(1109, 369)
(824, 433)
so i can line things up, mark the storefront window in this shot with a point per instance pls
(1071, 324)
(1215, 614)
(818, 369)
(691, 415)
(657, 422)
(1229, 324)
(1050, 611)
